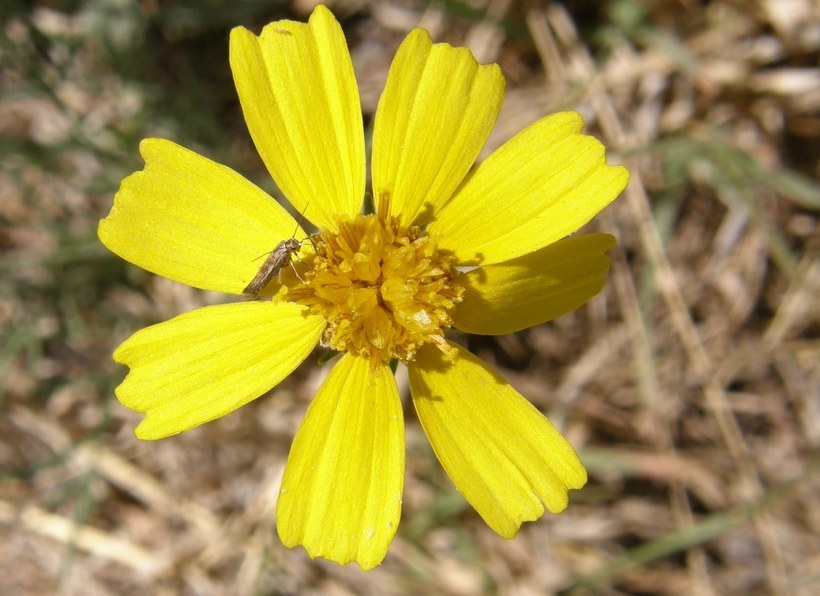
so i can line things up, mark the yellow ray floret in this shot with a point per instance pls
(206, 363)
(193, 220)
(341, 493)
(434, 116)
(298, 93)
(501, 453)
(535, 288)
(540, 186)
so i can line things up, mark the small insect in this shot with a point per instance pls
(277, 259)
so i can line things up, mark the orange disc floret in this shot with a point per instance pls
(383, 288)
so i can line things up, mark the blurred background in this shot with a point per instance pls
(689, 386)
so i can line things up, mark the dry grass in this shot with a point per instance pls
(690, 386)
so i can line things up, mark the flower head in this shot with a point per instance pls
(485, 251)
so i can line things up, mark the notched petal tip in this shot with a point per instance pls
(621, 175)
(238, 40)
(322, 15)
(420, 39)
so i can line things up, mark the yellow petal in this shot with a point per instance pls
(206, 363)
(341, 493)
(542, 185)
(501, 453)
(434, 116)
(298, 93)
(193, 220)
(535, 288)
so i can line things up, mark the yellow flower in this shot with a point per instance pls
(483, 251)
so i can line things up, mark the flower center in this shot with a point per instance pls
(384, 289)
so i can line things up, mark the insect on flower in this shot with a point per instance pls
(279, 257)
